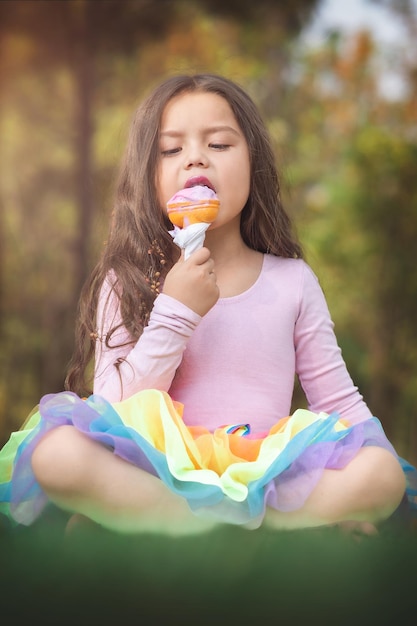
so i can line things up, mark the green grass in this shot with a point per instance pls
(228, 576)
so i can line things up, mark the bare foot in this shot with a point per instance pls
(357, 529)
(80, 522)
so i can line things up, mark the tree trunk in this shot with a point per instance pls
(61, 316)
(84, 86)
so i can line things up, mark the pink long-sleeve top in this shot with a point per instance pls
(237, 363)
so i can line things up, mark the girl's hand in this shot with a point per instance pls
(193, 282)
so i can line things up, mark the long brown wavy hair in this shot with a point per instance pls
(139, 250)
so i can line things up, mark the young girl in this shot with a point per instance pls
(195, 357)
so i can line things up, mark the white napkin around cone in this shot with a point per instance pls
(190, 238)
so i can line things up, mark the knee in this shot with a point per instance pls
(385, 469)
(57, 460)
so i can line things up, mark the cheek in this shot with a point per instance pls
(244, 167)
(165, 185)
(160, 185)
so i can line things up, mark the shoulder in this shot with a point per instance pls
(110, 289)
(110, 281)
(108, 305)
(294, 277)
(295, 271)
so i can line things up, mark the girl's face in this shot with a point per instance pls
(202, 143)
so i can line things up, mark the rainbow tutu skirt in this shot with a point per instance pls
(229, 474)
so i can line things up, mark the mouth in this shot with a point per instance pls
(199, 181)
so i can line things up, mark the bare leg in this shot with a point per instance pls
(366, 491)
(83, 476)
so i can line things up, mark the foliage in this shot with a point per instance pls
(71, 75)
(356, 201)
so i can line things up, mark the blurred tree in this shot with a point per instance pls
(354, 152)
(71, 34)
(68, 36)
(385, 205)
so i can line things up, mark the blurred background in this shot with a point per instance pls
(336, 82)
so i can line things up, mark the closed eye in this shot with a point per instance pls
(170, 151)
(219, 146)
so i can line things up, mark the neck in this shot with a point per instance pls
(225, 245)
(236, 266)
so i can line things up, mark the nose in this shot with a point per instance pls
(195, 157)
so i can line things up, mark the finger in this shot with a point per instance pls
(199, 257)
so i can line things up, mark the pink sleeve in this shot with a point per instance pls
(319, 363)
(150, 363)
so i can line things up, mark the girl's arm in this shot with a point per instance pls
(151, 362)
(372, 485)
(122, 369)
(320, 366)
